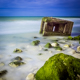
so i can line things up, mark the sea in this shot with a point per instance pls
(19, 32)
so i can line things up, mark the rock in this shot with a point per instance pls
(30, 76)
(35, 42)
(16, 63)
(45, 49)
(78, 49)
(17, 58)
(1, 64)
(35, 37)
(2, 73)
(17, 50)
(58, 48)
(66, 46)
(48, 45)
(74, 38)
(59, 67)
(40, 54)
(70, 37)
(54, 44)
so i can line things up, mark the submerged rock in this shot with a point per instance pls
(2, 73)
(66, 46)
(18, 58)
(30, 76)
(35, 37)
(59, 67)
(58, 48)
(16, 63)
(2, 64)
(78, 49)
(48, 45)
(45, 49)
(17, 50)
(40, 54)
(35, 42)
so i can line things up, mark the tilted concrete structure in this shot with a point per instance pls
(54, 26)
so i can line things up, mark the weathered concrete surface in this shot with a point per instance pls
(54, 26)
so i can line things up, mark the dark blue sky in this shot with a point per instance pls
(39, 7)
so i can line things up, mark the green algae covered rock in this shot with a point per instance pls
(48, 45)
(35, 42)
(70, 37)
(58, 48)
(16, 63)
(74, 38)
(17, 50)
(59, 67)
(2, 73)
(18, 58)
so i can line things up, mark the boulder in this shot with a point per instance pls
(54, 44)
(17, 50)
(30, 76)
(48, 45)
(78, 49)
(59, 67)
(35, 42)
(70, 37)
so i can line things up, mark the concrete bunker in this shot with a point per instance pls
(54, 26)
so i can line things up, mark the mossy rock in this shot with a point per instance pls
(74, 38)
(35, 42)
(18, 58)
(59, 67)
(17, 50)
(48, 45)
(16, 63)
(77, 38)
(58, 48)
(70, 37)
(2, 73)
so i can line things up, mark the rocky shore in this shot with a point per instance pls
(59, 59)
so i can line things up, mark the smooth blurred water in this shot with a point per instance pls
(12, 25)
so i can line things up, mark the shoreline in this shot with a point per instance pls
(31, 54)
